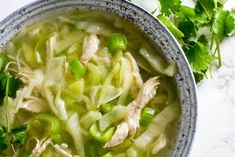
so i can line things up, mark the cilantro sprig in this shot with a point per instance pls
(202, 48)
(9, 84)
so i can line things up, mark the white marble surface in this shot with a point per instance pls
(215, 133)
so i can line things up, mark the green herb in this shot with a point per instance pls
(19, 134)
(8, 87)
(169, 6)
(3, 138)
(15, 136)
(202, 48)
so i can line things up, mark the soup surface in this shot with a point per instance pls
(85, 83)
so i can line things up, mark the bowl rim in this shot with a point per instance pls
(10, 18)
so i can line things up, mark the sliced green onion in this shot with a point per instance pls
(117, 42)
(109, 154)
(105, 108)
(101, 136)
(147, 116)
(77, 68)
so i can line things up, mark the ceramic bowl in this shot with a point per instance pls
(153, 29)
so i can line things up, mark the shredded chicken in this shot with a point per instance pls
(146, 93)
(90, 47)
(136, 71)
(35, 105)
(42, 145)
(62, 151)
(131, 124)
(119, 136)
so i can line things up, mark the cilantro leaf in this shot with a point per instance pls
(19, 134)
(199, 76)
(198, 57)
(169, 6)
(223, 23)
(205, 7)
(3, 138)
(185, 12)
(187, 27)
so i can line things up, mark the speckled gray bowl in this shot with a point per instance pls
(153, 29)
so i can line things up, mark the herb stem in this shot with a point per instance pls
(6, 103)
(204, 8)
(218, 51)
(212, 40)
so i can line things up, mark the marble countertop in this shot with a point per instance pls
(215, 132)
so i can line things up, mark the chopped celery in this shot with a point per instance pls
(89, 118)
(109, 154)
(101, 136)
(147, 116)
(105, 108)
(51, 121)
(77, 68)
(117, 42)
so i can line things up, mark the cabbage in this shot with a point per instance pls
(157, 126)
(108, 91)
(89, 118)
(126, 77)
(69, 40)
(94, 74)
(156, 61)
(74, 129)
(159, 144)
(118, 113)
(54, 82)
(51, 45)
(28, 54)
(94, 93)
(76, 88)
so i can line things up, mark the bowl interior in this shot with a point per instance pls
(157, 34)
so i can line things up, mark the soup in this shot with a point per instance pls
(86, 83)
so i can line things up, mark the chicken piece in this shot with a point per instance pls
(136, 71)
(131, 124)
(40, 147)
(146, 93)
(90, 47)
(119, 136)
(35, 105)
(63, 152)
